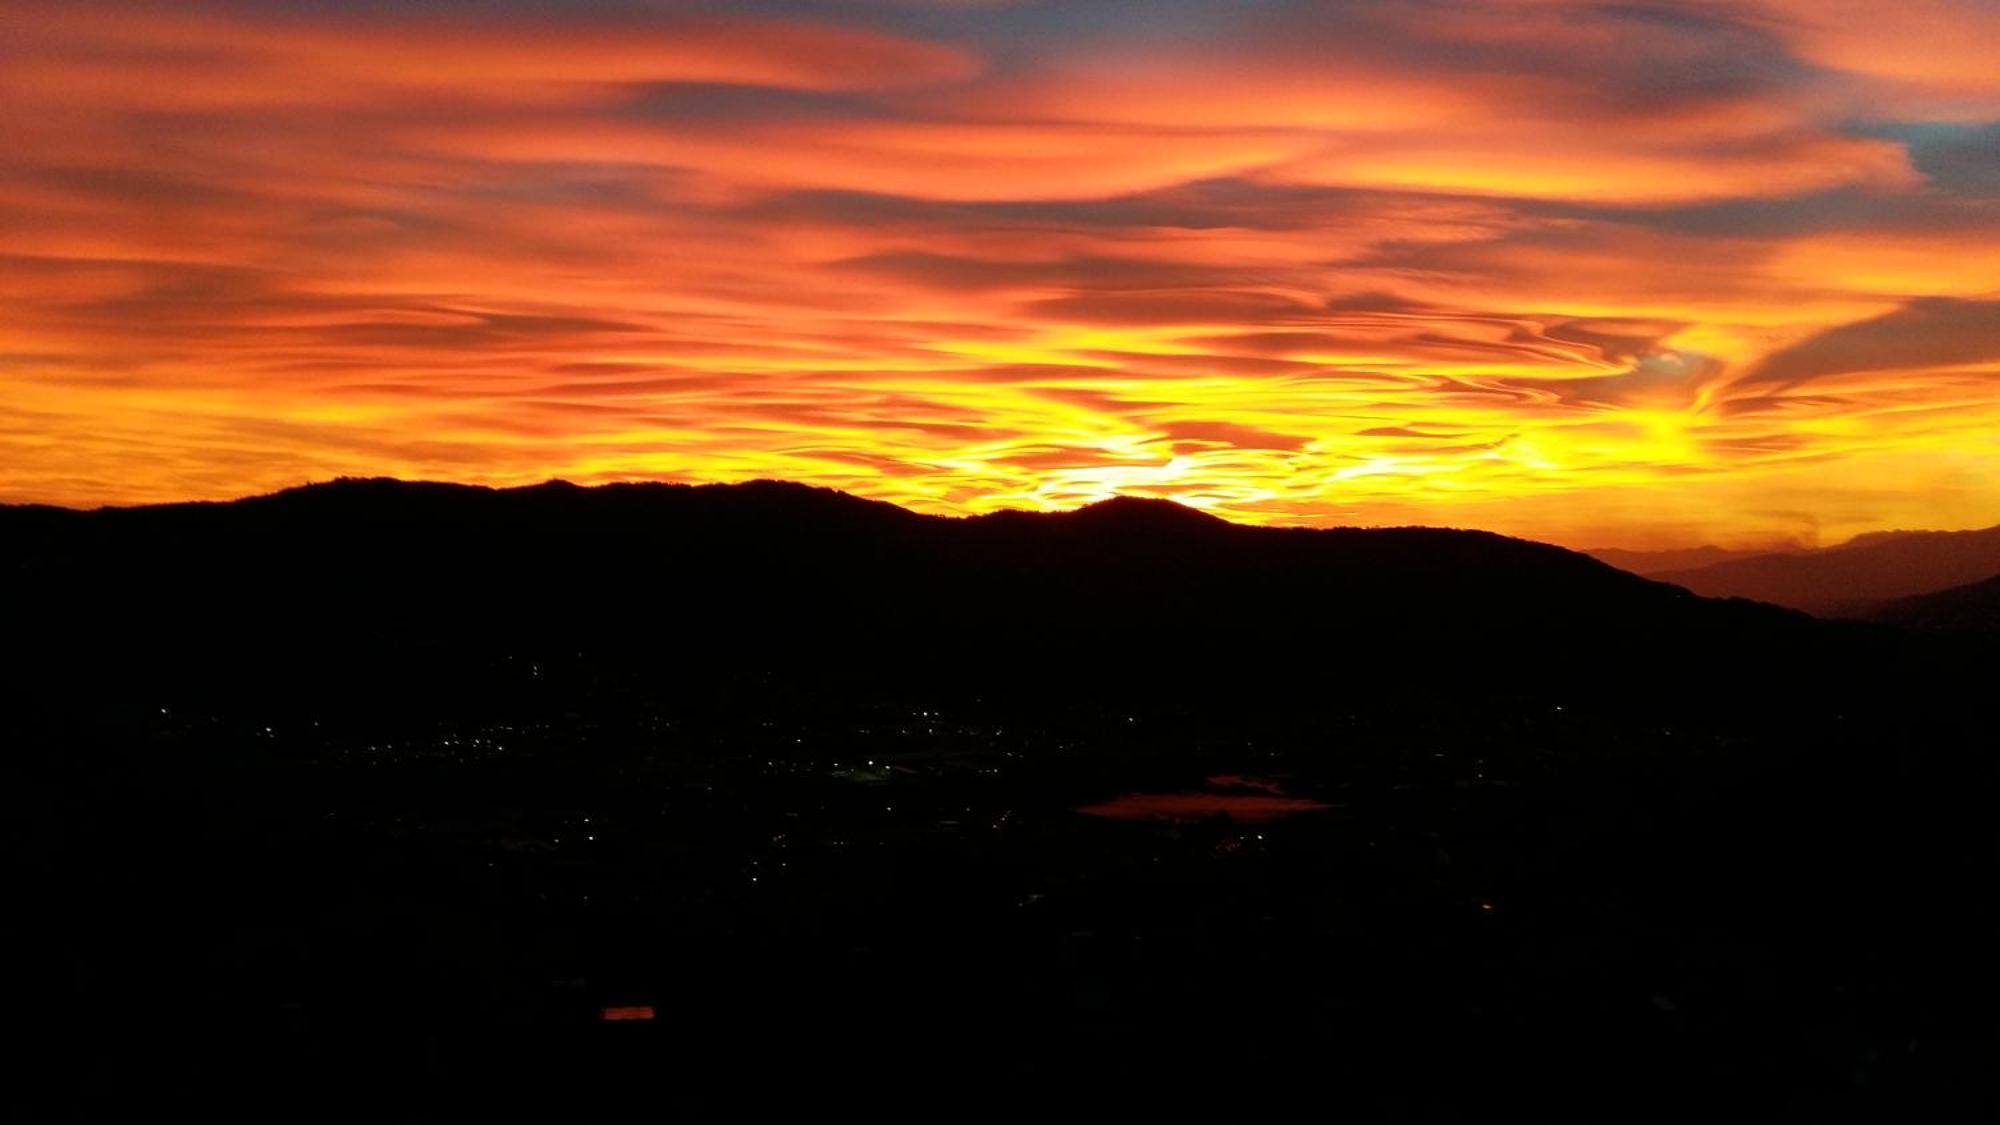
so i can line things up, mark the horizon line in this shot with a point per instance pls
(1777, 548)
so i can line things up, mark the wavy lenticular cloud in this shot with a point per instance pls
(1644, 273)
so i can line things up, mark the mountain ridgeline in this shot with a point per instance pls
(406, 584)
(1852, 579)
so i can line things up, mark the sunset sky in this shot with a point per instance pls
(1641, 274)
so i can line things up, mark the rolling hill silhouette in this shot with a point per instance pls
(407, 587)
(1975, 606)
(1848, 579)
(764, 551)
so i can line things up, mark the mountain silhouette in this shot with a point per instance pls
(1848, 579)
(1974, 606)
(409, 587)
(1140, 514)
(791, 543)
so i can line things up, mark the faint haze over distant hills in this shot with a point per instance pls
(1853, 577)
(1659, 562)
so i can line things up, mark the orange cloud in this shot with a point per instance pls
(221, 58)
(1929, 58)
(1584, 271)
(1578, 164)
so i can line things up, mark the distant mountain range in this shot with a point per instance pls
(1649, 563)
(1850, 580)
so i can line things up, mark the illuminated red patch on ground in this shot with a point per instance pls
(1200, 806)
(629, 1012)
(1238, 781)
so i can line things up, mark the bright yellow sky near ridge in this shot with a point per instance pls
(1643, 275)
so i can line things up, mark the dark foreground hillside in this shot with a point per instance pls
(1972, 607)
(376, 800)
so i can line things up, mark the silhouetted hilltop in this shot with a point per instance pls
(383, 501)
(1137, 514)
(393, 579)
(1975, 606)
(791, 540)
(1847, 579)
